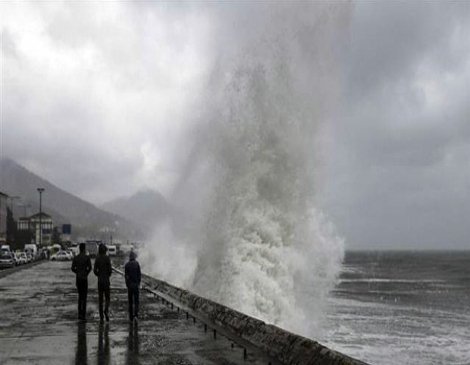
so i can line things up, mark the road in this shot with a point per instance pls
(38, 325)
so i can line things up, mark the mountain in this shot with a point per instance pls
(144, 207)
(87, 220)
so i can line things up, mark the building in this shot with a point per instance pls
(31, 224)
(66, 233)
(3, 217)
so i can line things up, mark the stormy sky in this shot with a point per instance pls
(95, 96)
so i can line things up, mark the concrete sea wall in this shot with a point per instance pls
(282, 346)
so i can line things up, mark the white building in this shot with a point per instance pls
(32, 224)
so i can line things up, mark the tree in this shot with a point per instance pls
(23, 237)
(11, 229)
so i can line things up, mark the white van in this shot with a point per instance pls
(112, 250)
(32, 248)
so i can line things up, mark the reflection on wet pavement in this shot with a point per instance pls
(132, 356)
(81, 353)
(39, 325)
(103, 344)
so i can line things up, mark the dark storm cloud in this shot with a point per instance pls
(390, 39)
(400, 175)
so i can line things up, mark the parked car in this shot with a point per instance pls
(15, 257)
(61, 256)
(70, 253)
(22, 258)
(5, 249)
(6, 260)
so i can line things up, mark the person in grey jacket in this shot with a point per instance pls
(103, 270)
(81, 266)
(133, 276)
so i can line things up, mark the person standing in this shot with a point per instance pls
(133, 275)
(103, 270)
(81, 266)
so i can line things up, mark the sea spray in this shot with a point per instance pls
(245, 230)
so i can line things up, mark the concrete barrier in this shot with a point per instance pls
(283, 346)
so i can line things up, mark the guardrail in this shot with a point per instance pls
(281, 346)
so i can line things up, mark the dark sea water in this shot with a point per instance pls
(402, 308)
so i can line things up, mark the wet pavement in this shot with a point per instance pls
(38, 325)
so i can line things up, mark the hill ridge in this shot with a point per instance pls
(64, 207)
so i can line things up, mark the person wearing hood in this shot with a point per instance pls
(133, 276)
(103, 270)
(81, 266)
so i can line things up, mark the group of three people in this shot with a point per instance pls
(81, 266)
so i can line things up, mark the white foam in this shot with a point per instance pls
(387, 334)
(246, 230)
(375, 280)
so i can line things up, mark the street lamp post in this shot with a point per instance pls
(40, 190)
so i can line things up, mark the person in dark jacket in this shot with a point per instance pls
(132, 274)
(103, 270)
(81, 266)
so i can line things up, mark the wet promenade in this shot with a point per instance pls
(38, 310)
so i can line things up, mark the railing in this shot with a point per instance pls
(280, 346)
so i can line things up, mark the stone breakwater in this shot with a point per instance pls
(282, 346)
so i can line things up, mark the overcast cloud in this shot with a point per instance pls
(399, 168)
(94, 93)
(95, 96)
